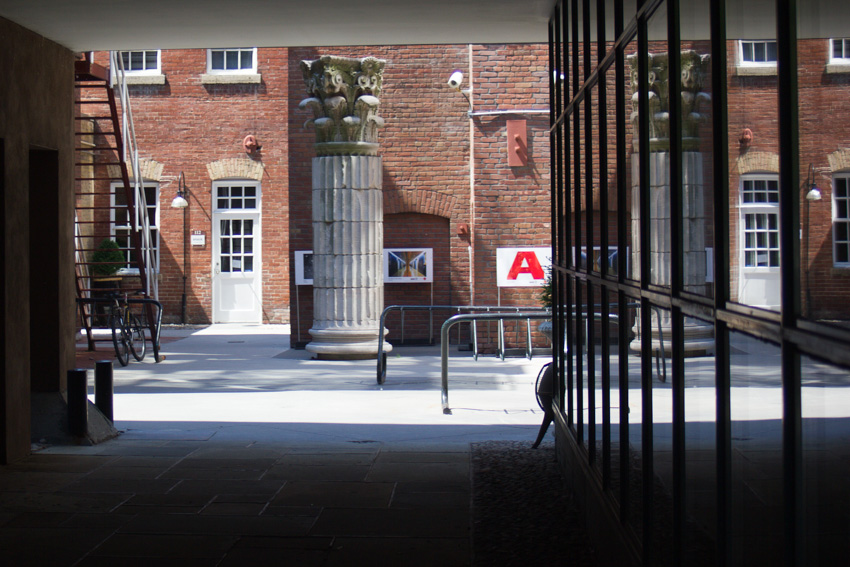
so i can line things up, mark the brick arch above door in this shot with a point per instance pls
(235, 168)
(151, 170)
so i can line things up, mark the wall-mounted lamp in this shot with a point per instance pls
(455, 81)
(812, 194)
(180, 201)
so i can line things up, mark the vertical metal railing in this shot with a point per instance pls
(141, 220)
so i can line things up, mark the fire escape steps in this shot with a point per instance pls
(94, 201)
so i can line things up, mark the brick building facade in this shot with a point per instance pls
(192, 123)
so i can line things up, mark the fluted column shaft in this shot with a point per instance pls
(348, 241)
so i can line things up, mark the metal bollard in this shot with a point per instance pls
(78, 403)
(103, 387)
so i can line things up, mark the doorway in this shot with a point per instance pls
(236, 278)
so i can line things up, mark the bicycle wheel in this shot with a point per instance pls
(119, 339)
(137, 338)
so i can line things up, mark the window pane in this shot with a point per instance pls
(232, 60)
(150, 59)
(756, 412)
(218, 60)
(771, 51)
(247, 59)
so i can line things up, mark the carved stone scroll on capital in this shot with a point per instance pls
(343, 96)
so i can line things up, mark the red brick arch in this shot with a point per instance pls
(421, 201)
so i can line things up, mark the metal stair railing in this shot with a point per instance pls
(141, 221)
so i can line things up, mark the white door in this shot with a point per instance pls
(236, 284)
(759, 259)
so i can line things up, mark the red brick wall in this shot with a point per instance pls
(185, 125)
(425, 153)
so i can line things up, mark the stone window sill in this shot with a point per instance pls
(836, 68)
(240, 79)
(145, 79)
(756, 71)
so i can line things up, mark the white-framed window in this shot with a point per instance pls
(759, 204)
(141, 62)
(237, 195)
(757, 53)
(232, 61)
(841, 220)
(839, 50)
(121, 224)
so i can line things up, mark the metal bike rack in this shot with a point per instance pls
(382, 356)
(158, 322)
(444, 343)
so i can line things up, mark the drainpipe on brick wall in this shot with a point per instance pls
(471, 248)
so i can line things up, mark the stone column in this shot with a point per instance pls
(695, 106)
(348, 239)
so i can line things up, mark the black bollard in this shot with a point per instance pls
(78, 403)
(103, 387)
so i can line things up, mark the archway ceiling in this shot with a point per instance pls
(94, 25)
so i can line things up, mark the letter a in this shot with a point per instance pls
(526, 263)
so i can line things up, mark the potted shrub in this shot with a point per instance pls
(107, 259)
(545, 297)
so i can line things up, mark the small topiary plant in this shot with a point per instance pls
(545, 294)
(108, 258)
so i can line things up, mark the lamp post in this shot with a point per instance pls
(180, 202)
(812, 194)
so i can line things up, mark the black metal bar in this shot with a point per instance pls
(604, 297)
(78, 402)
(103, 389)
(789, 253)
(722, 276)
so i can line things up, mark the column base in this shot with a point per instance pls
(345, 344)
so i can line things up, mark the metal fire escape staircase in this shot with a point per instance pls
(104, 158)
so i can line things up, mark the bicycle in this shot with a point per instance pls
(128, 334)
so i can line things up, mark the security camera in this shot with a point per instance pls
(456, 80)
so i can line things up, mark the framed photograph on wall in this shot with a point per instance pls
(408, 265)
(304, 267)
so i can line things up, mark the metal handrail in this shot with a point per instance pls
(382, 356)
(463, 317)
(141, 221)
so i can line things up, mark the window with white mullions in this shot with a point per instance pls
(760, 191)
(121, 224)
(236, 245)
(232, 61)
(841, 220)
(757, 52)
(141, 62)
(840, 49)
(236, 197)
(761, 240)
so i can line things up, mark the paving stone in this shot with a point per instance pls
(121, 485)
(196, 524)
(337, 472)
(60, 463)
(233, 509)
(254, 556)
(214, 474)
(422, 457)
(315, 459)
(426, 472)
(315, 543)
(410, 552)
(430, 500)
(212, 487)
(165, 545)
(336, 494)
(373, 522)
